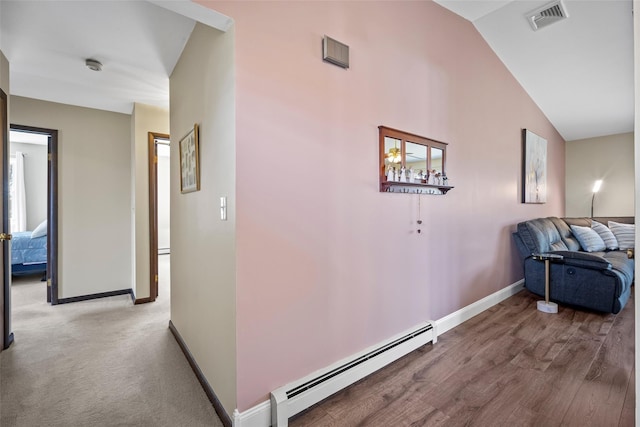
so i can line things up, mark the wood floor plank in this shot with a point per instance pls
(316, 418)
(409, 410)
(509, 366)
(505, 394)
(438, 363)
(523, 417)
(602, 393)
(628, 415)
(377, 389)
(549, 336)
(483, 336)
(552, 391)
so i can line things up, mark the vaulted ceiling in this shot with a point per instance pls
(579, 71)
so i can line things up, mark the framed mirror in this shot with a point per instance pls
(409, 159)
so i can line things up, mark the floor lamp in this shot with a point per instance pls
(596, 188)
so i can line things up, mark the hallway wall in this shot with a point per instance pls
(203, 247)
(145, 119)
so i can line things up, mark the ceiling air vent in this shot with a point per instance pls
(547, 15)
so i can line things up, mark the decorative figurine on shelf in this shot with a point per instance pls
(438, 180)
(391, 173)
(420, 176)
(403, 174)
(445, 180)
(432, 177)
(412, 174)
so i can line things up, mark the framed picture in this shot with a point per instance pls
(534, 168)
(189, 162)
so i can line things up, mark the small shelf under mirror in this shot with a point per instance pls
(414, 188)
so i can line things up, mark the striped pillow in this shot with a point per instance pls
(607, 236)
(625, 234)
(589, 240)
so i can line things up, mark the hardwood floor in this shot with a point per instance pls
(509, 366)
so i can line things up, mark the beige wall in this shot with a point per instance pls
(94, 193)
(203, 262)
(609, 158)
(4, 73)
(145, 119)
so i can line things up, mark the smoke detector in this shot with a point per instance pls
(93, 65)
(547, 15)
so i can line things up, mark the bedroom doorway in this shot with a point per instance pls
(159, 221)
(33, 207)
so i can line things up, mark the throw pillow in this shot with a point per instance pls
(625, 234)
(41, 230)
(607, 236)
(589, 240)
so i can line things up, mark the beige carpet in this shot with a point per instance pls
(103, 362)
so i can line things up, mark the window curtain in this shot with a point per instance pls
(18, 195)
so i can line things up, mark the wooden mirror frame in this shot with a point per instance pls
(404, 137)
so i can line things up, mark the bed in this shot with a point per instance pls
(29, 251)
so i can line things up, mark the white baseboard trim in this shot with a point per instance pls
(465, 313)
(260, 415)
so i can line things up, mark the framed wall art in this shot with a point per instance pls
(189, 162)
(534, 168)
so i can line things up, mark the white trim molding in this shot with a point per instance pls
(465, 313)
(258, 416)
(197, 12)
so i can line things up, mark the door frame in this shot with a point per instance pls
(7, 335)
(153, 213)
(52, 207)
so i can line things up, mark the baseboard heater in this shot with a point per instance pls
(294, 398)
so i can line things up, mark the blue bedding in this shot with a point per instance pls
(28, 251)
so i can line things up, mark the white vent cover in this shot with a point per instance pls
(547, 15)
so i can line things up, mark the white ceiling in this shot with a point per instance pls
(138, 43)
(579, 71)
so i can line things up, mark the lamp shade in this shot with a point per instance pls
(597, 185)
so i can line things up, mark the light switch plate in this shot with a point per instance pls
(223, 208)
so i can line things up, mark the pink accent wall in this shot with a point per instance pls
(326, 264)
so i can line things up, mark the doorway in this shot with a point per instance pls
(159, 236)
(47, 215)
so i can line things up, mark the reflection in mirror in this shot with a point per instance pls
(436, 159)
(392, 151)
(416, 158)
